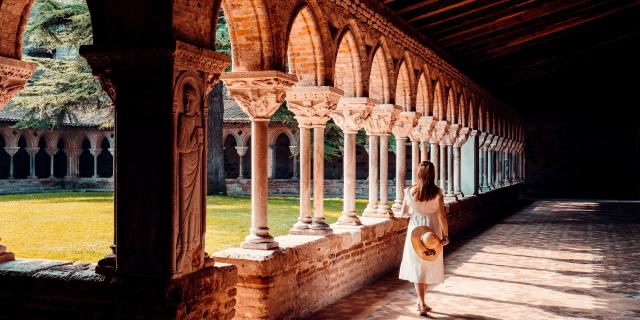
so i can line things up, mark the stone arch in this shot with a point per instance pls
(451, 105)
(283, 160)
(245, 139)
(21, 159)
(13, 25)
(251, 35)
(403, 86)
(275, 134)
(379, 76)
(231, 132)
(42, 159)
(60, 160)
(231, 157)
(85, 159)
(438, 101)
(348, 67)
(481, 117)
(305, 52)
(105, 158)
(424, 93)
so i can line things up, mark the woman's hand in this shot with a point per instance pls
(445, 241)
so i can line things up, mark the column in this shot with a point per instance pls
(12, 152)
(242, 151)
(485, 168)
(94, 153)
(402, 129)
(450, 172)
(481, 171)
(443, 167)
(350, 115)
(435, 159)
(32, 162)
(490, 169)
(271, 157)
(52, 153)
(415, 159)
(312, 106)
(457, 167)
(304, 219)
(260, 94)
(294, 155)
(165, 188)
(424, 153)
(113, 160)
(73, 162)
(383, 206)
(401, 171)
(372, 206)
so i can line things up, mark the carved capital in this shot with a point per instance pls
(452, 134)
(294, 150)
(13, 78)
(259, 93)
(382, 119)
(482, 139)
(351, 113)
(439, 132)
(32, 151)
(404, 124)
(492, 141)
(463, 136)
(423, 129)
(51, 151)
(313, 105)
(242, 151)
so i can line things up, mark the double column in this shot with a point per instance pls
(484, 161)
(351, 115)
(461, 139)
(242, 151)
(401, 130)
(378, 127)
(312, 106)
(259, 94)
(420, 134)
(449, 139)
(438, 143)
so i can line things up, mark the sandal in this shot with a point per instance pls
(423, 309)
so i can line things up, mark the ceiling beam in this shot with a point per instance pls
(464, 14)
(415, 6)
(439, 11)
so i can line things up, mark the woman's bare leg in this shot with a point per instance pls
(421, 292)
(424, 294)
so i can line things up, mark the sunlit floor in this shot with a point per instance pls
(551, 260)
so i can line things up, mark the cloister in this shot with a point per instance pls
(350, 61)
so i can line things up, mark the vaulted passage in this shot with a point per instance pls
(549, 260)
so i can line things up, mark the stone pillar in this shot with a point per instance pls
(160, 202)
(259, 94)
(73, 158)
(271, 157)
(51, 152)
(437, 141)
(499, 163)
(13, 77)
(460, 140)
(372, 206)
(491, 170)
(435, 159)
(424, 152)
(378, 127)
(422, 131)
(350, 116)
(415, 159)
(32, 162)
(443, 167)
(5, 255)
(401, 130)
(113, 160)
(312, 106)
(94, 153)
(449, 192)
(242, 151)
(294, 155)
(12, 152)
(449, 139)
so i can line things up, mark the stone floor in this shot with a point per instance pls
(550, 260)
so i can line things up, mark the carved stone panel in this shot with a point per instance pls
(423, 129)
(439, 132)
(312, 105)
(405, 123)
(382, 119)
(13, 78)
(351, 113)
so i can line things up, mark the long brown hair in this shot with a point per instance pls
(425, 187)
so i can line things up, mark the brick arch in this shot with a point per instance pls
(439, 98)
(274, 134)
(379, 76)
(252, 46)
(236, 137)
(481, 117)
(348, 67)
(305, 52)
(13, 14)
(403, 86)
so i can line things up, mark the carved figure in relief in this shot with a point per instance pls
(190, 149)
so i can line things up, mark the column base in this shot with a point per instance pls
(349, 219)
(263, 242)
(107, 265)
(384, 212)
(459, 194)
(6, 256)
(450, 197)
(397, 206)
(370, 210)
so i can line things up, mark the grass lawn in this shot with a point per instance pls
(79, 226)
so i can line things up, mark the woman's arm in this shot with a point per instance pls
(405, 211)
(442, 213)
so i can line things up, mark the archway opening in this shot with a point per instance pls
(105, 160)
(60, 164)
(85, 160)
(43, 160)
(231, 158)
(283, 158)
(21, 160)
(5, 160)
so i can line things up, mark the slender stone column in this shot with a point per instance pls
(350, 115)
(415, 159)
(460, 139)
(271, 157)
(294, 155)
(73, 162)
(32, 162)
(443, 167)
(94, 153)
(51, 152)
(304, 220)
(312, 106)
(438, 151)
(421, 133)
(435, 159)
(242, 151)
(372, 206)
(450, 172)
(259, 94)
(448, 140)
(401, 130)
(12, 152)
(424, 152)
(378, 127)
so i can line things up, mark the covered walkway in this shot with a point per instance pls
(550, 260)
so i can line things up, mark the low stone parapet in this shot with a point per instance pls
(19, 186)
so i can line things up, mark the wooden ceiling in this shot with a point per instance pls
(506, 44)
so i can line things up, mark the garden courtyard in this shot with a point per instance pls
(78, 226)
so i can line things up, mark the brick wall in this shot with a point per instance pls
(14, 186)
(290, 187)
(311, 272)
(39, 289)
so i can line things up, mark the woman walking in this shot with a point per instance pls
(427, 232)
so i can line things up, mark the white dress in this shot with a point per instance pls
(413, 268)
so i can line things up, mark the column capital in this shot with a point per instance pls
(242, 150)
(439, 131)
(492, 141)
(482, 139)
(423, 128)
(382, 119)
(11, 150)
(13, 77)
(312, 105)
(294, 149)
(32, 151)
(404, 124)
(463, 136)
(259, 93)
(51, 151)
(500, 144)
(351, 113)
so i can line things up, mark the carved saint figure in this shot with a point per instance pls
(190, 149)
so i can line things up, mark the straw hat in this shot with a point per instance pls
(426, 243)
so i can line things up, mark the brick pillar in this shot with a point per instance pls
(259, 94)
